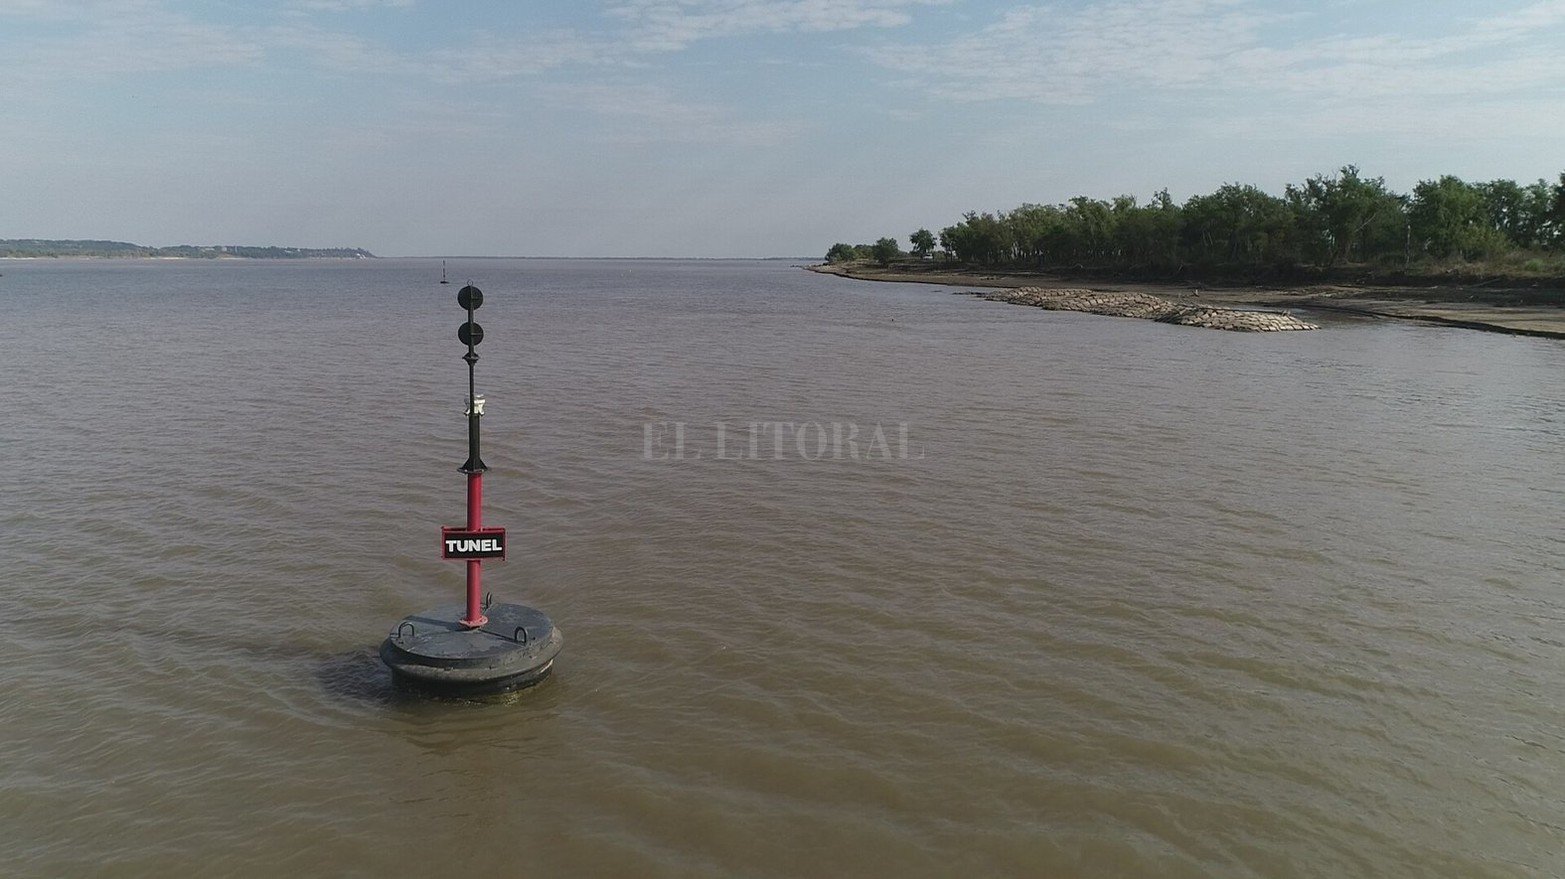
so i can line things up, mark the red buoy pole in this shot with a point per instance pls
(475, 520)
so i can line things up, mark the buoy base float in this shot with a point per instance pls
(434, 652)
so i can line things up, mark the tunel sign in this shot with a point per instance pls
(475, 543)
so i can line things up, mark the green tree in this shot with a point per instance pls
(841, 253)
(1450, 217)
(1029, 230)
(1554, 213)
(1239, 225)
(979, 238)
(885, 250)
(1148, 235)
(1347, 216)
(1091, 228)
(1508, 209)
(922, 242)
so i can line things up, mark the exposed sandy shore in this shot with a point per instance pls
(1145, 306)
(1444, 305)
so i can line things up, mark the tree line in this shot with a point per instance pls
(1327, 221)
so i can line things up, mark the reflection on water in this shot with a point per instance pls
(1152, 600)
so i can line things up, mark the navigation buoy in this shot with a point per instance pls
(476, 647)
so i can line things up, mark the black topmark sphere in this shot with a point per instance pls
(470, 297)
(470, 333)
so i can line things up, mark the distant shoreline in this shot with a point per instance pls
(111, 258)
(1467, 306)
(91, 248)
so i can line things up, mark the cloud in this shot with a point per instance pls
(1507, 60)
(493, 58)
(483, 58)
(1510, 119)
(110, 38)
(670, 25)
(39, 9)
(333, 50)
(644, 113)
(1232, 54)
(1071, 55)
(348, 5)
(1527, 20)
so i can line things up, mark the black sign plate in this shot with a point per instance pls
(482, 543)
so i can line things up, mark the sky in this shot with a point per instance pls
(731, 128)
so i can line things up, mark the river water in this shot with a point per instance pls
(1008, 593)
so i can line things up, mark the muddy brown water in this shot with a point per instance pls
(1101, 596)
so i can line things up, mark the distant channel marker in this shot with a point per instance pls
(476, 647)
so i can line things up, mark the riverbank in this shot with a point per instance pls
(1472, 307)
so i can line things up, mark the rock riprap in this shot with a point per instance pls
(1150, 307)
